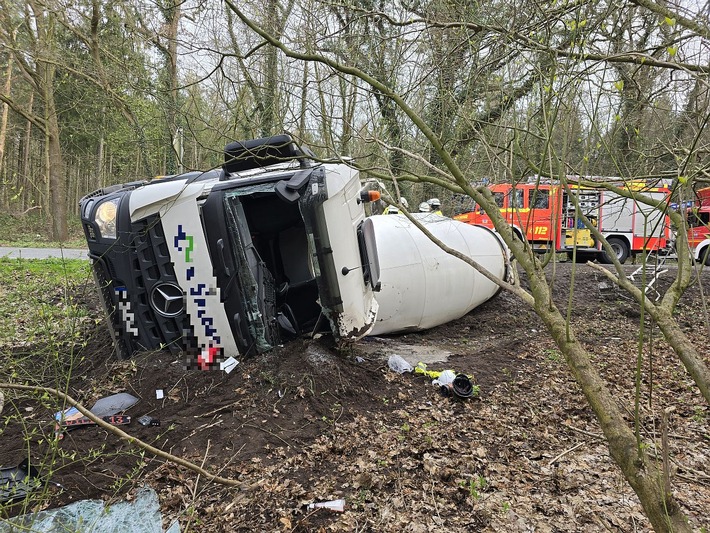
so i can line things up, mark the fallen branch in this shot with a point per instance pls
(570, 450)
(691, 479)
(125, 436)
(218, 410)
(587, 433)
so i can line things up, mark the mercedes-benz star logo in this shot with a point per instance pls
(167, 299)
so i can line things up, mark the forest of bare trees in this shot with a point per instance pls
(96, 93)
(430, 97)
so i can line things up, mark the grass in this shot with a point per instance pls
(31, 231)
(44, 324)
(38, 301)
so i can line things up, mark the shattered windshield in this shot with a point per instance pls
(254, 279)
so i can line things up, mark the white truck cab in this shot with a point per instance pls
(227, 263)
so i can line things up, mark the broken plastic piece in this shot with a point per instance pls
(398, 364)
(444, 378)
(334, 505)
(113, 404)
(463, 388)
(146, 420)
(116, 420)
(85, 421)
(104, 408)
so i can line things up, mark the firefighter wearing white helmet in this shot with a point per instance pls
(435, 205)
(424, 208)
(394, 210)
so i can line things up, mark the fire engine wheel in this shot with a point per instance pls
(621, 249)
(704, 256)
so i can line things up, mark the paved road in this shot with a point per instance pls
(43, 253)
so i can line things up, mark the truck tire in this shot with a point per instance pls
(704, 256)
(620, 248)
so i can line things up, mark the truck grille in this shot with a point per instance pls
(152, 265)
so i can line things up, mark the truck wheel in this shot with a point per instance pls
(621, 249)
(704, 256)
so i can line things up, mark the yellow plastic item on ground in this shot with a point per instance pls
(421, 368)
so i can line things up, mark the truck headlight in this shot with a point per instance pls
(105, 218)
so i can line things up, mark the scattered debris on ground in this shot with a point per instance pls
(308, 424)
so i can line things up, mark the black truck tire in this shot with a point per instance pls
(620, 248)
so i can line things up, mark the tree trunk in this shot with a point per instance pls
(55, 198)
(348, 92)
(99, 168)
(57, 179)
(270, 118)
(29, 194)
(172, 14)
(3, 137)
(304, 102)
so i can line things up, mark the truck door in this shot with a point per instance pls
(344, 251)
(539, 227)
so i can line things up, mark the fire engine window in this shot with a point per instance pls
(498, 197)
(515, 198)
(698, 219)
(539, 199)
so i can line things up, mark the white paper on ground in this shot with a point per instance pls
(228, 364)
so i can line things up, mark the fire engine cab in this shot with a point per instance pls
(698, 216)
(543, 214)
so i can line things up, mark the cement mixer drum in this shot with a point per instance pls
(421, 285)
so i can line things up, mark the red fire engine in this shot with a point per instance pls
(544, 215)
(699, 226)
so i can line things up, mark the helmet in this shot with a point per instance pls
(404, 202)
(391, 210)
(424, 208)
(434, 202)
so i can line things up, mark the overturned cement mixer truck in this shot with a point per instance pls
(272, 246)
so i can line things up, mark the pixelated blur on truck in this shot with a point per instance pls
(234, 261)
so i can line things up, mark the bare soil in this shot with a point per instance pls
(309, 422)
